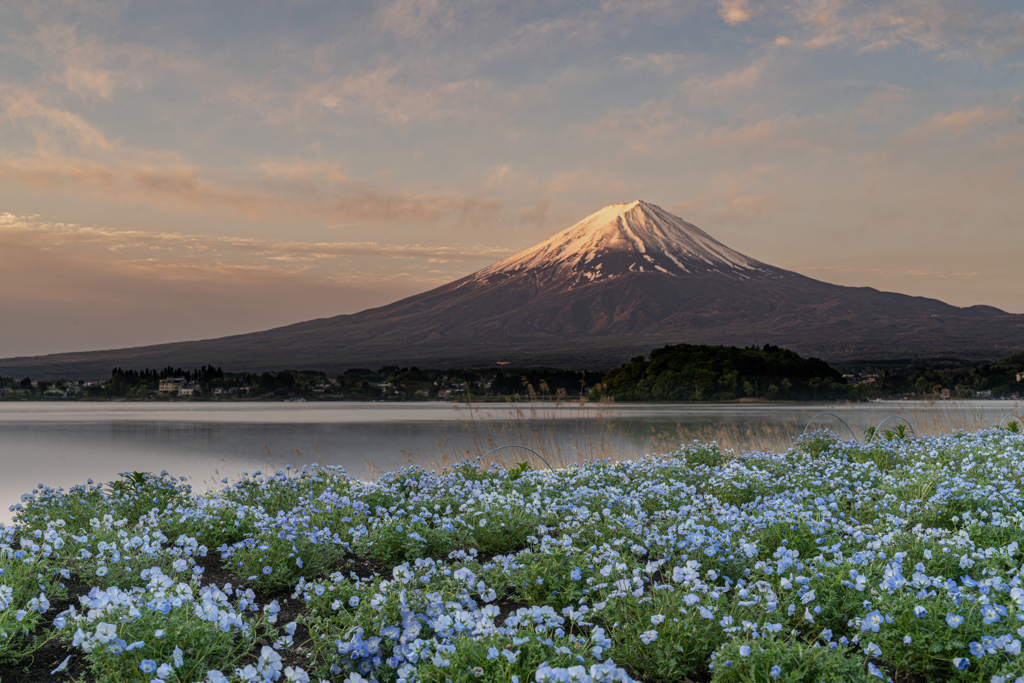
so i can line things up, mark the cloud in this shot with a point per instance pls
(638, 128)
(734, 11)
(31, 230)
(666, 63)
(958, 123)
(386, 93)
(955, 29)
(90, 68)
(23, 106)
(714, 89)
(268, 190)
(411, 17)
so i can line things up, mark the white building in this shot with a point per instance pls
(171, 385)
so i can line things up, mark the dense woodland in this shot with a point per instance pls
(674, 373)
(723, 373)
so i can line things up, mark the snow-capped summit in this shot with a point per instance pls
(636, 237)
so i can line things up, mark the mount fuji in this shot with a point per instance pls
(620, 282)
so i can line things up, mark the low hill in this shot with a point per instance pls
(720, 373)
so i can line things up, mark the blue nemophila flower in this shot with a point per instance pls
(976, 649)
(147, 666)
(872, 621)
(63, 666)
(954, 620)
(268, 569)
(872, 650)
(961, 662)
(775, 671)
(648, 637)
(875, 671)
(920, 611)
(744, 650)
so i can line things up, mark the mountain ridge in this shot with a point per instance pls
(622, 281)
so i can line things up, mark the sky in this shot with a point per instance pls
(183, 170)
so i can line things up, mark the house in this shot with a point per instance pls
(171, 385)
(190, 389)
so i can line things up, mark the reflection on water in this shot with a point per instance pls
(62, 444)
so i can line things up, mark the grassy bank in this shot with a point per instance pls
(829, 561)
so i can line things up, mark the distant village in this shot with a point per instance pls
(676, 373)
(388, 383)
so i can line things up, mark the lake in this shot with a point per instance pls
(66, 443)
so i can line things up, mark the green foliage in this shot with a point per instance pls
(180, 633)
(685, 638)
(687, 372)
(402, 542)
(136, 493)
(28, 582)
(797, 662)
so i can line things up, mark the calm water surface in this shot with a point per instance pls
(66, 443)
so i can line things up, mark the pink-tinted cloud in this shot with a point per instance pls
(734, 11)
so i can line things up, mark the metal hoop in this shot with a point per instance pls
(515, 446)
(1000, 425)
(833, 415)
(899, 417)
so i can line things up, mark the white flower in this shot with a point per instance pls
(296, 675)
(648, 637)
(105, 632)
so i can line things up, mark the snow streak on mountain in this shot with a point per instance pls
(620, 239)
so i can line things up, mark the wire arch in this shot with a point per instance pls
(522, 447)
(1000, 425)
(836, 417)
(878, 429)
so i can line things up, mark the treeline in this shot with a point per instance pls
(924, 378)
(687, 372)
(207, 373)
(127, 383)
(680, 373)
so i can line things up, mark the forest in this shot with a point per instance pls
(687, 372)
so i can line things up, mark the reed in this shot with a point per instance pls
(563, 431)
(569, 432)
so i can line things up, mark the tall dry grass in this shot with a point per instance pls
(568, 432)
(560, 431)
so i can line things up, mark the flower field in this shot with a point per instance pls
(830, 562)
